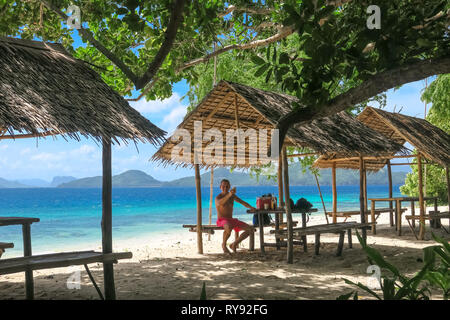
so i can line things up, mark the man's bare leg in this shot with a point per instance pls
(226, 234)
(241, 238)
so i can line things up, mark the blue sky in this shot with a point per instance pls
(54, 156)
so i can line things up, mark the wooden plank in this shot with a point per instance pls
(108, 269)
(317, 244)
(8, 221)
(59, 260)
(6, 245)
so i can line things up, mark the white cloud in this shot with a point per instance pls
(174, 118)
(3, 147)
(156, 106)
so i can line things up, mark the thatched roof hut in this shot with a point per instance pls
(44, 89)
(432, 142)
(230, 106)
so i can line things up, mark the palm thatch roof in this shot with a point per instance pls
(230, 106)
(44, 89)
(432, 142)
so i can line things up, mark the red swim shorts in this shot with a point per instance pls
(236, 224)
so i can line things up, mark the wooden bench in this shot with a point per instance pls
(348, 214)
(339, 228)
(210, 229)
(59, 260)
(5, 245)
(431, 216)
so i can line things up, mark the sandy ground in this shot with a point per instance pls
(168, 267)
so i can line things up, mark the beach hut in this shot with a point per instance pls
(232, 106)
(432, 144)
(44, 91)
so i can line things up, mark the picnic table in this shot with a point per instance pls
(26, 234)
(398, 209)
(277, 212)
(339, 228)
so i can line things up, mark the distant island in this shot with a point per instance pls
(140, 179)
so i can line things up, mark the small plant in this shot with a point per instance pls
(438, 275)
(398, 287)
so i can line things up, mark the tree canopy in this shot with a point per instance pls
(322, 51)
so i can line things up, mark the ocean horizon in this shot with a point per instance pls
(71, 218)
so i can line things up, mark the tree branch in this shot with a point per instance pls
(176, 18)
(377, 84)
(139, 82)
(283, 33)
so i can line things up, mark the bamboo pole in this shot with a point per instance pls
(421, 201)
(302, 155)
(391, 205)
(280, 186)
(334, 191)
(290, 244)
(362, 210)
(321, 198)
(108, 269)
(211, 199)
(365, 187)
(199, 209)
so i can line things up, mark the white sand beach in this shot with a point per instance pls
(167, 266)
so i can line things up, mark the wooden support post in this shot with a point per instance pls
(108, 269)
(350, 242)
(413, 213)
(398, 207)
(29, 282)
(211, 199)
(341, 243)
(321, 198)
(372, 217)
(391, 205)
(280, 186)
(334, 191)
(362, 209)
(366, 205)
(421, 201)
(199, 209)
(290, 244)
(317, 244)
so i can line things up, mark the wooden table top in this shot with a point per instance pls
(401, 199)
(8, 221)
(279, 210)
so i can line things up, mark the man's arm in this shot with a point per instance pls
(245, 204)
(223, 200)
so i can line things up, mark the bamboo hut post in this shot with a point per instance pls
(290, 243)
(421, 201)
(211, 200)
(199, 209)
(280, 186)
(334, 191)
(365, 188)
(361, 196)
(391, 205)
(108, 269)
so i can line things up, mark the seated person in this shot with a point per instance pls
(224, 205)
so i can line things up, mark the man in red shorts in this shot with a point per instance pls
(224, 205)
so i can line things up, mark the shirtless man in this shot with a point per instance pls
(224, 205)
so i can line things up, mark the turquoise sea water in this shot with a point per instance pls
(70, 217)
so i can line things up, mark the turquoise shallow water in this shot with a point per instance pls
(70, 217)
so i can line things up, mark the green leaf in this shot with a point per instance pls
(261, 70)
(284, 58)
(203, 294)
(257, 60)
